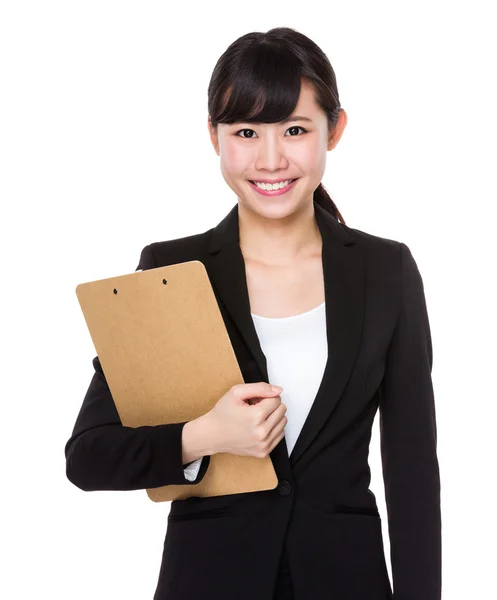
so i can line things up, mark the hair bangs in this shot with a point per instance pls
(265, 88)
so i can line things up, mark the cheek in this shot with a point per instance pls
(309, 157)
(234, 158)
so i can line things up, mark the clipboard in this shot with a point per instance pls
(167, 358)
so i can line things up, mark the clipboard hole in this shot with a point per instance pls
(164, 281)
(115, 291)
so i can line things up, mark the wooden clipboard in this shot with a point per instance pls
(167, 358)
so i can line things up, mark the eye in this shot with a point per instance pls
(251, 137)
(297, 127)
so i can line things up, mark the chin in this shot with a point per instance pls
(269, 209)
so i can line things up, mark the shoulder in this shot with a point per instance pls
(370, 240)
(387, 259)
(167, 252)
(378, 250)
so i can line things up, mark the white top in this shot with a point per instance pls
(296, 351)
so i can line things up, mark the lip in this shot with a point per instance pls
(274, 192)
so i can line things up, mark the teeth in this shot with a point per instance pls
(274, 186)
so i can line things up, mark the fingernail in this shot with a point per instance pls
(276, 388)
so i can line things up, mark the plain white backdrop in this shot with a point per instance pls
(104, 149)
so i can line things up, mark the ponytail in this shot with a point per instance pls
(324, 200)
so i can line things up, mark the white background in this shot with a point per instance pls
(104, 149)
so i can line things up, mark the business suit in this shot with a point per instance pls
(322, 512)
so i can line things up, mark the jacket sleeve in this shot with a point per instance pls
(408, 440)
(102, 454)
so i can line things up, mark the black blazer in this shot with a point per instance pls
(322, 510)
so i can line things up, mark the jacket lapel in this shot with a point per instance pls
(344, 282)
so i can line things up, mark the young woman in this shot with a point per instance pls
(333, 315)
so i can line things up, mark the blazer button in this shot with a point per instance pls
(284, 487)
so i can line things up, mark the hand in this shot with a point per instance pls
(249, 420)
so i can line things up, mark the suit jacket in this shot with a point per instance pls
(322, 510)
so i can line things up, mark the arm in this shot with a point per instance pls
(408, 438)
(102, 454)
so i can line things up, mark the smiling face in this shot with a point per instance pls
(272, 152)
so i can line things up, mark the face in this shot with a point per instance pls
(277, 151)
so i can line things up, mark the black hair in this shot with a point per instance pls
(258, 80)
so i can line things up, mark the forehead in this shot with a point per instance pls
(306, 104)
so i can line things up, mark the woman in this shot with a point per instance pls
(333, 315)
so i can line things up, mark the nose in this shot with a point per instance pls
(270, 154)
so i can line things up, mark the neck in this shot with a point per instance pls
(278, 242)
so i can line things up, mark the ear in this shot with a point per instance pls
(213, 135)
(336, 133)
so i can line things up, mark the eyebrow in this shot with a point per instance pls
(296, 118)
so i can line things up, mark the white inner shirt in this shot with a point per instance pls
(296, 351)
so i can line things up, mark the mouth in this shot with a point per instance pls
(275, 192)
